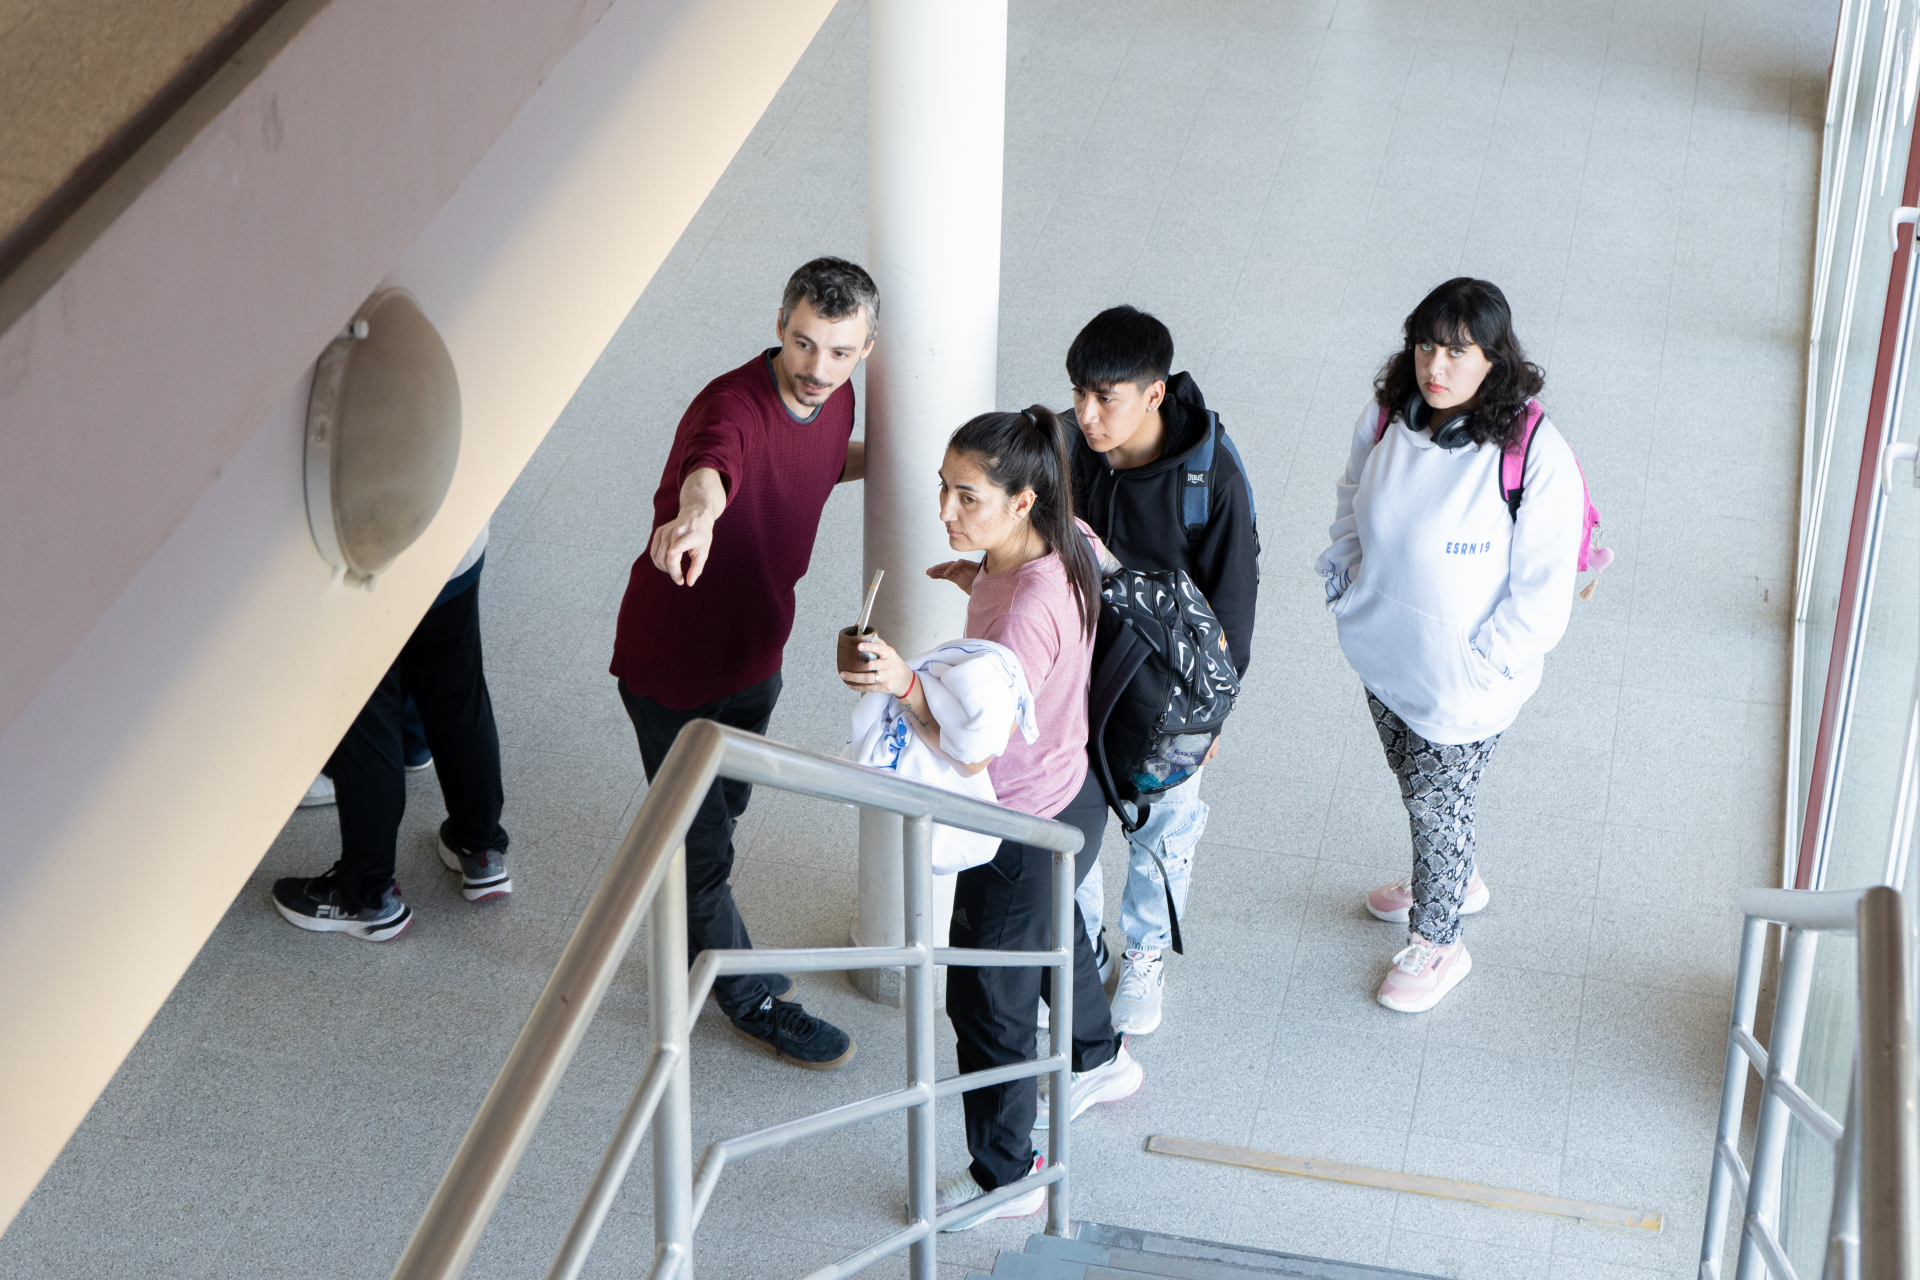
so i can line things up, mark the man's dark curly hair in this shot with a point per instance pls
(835, 288)
(1465, 310)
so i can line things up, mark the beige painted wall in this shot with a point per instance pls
(198, 663)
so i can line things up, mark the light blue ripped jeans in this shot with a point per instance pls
(1173, 828)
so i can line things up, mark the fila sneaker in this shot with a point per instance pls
(319, 905)
(483, 872)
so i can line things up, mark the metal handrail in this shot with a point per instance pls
(648, 880)
(1874, 1226)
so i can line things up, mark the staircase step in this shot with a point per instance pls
(1033, 1266)
(1068, 1249)
(1131, 1254)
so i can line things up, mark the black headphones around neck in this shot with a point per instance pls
(1451, 433)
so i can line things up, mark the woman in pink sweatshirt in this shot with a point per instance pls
(1005, 490)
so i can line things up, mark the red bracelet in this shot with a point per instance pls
(913, 679)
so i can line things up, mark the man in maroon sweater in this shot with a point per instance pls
(708, 608)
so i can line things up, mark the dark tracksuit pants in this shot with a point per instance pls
(713, 921)
(1006, 905)
(440, 669)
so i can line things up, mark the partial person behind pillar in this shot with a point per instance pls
(708, 608)
(440, 668)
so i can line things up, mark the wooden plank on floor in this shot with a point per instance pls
(1418, 1184)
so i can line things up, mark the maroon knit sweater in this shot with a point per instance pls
(686, 646)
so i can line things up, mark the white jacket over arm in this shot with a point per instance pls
(1447, 605)
(978, 693)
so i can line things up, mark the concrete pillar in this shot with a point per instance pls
(936, 126)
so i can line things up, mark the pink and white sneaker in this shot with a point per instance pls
(1422, 973)
(1394, 902)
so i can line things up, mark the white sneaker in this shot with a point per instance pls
(961, 1188)
(1120, 1078)
(1136, 1001)
(321, 792)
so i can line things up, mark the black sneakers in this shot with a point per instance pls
(483, 874)
(317, 904)
(793, 1035)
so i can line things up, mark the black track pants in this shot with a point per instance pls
(1006, 905)
(440, 669)
(713, 921)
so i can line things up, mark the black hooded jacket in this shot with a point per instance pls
(1136, 512)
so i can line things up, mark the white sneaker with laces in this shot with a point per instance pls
(1117, 1079)
(961, 1188)
(1136, 1001)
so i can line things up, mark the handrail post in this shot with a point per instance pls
(1843, 1221)
(1889, 1191)
(1060, 1094)
(916, 847)
(1770, 1138)
(1733, 1090)
(673, 1122)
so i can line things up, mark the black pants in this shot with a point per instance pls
(713, 921)
(1006, 905)
(440, 669)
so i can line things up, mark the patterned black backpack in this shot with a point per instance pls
(1163, 685)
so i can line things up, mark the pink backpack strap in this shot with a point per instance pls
(1380, 427)
(1513, 463)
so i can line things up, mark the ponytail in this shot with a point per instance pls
(1029, 450)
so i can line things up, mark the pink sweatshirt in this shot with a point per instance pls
(1032, 611)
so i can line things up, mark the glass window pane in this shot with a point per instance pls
(1865, 196)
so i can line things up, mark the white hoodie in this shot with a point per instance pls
(978, 693)
(1452, 604)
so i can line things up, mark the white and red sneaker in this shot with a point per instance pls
(1120, 1077)
(1423, 973)
(1394, 902)
(950, 1193)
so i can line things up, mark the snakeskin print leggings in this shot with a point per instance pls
(1437, 784)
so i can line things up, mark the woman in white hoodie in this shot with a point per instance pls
(1449, 593)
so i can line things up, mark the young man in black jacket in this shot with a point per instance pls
(1139, 430)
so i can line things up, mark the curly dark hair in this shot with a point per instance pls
(1460, 311)
(835, 288)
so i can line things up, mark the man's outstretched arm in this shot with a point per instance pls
(679, 548)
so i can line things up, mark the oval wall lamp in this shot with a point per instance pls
(383, 436)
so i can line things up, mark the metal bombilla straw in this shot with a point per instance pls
(873, 589)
